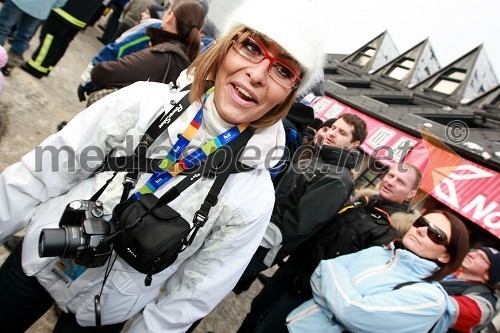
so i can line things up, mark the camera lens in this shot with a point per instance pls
(51, 242)
(61, 242)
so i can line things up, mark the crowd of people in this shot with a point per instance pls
(210, 117)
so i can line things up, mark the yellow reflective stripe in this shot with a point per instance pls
(344, 209)
(44, 49)
(126, 46)
(71, 19)
(38, 67)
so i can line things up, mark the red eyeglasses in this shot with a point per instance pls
(434, 233)
(254, 52)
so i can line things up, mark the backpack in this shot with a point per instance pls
(292, 143)
(295, 125)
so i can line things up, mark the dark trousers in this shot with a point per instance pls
(23, 300)
(112, 24)
(55, 37)
(273, 304)
(255, 266)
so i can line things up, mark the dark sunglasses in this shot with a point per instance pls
(434, 233)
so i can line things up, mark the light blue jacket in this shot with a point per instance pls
(39, 9)
(356, 293)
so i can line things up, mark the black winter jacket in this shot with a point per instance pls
(309, 195)
(365, 223)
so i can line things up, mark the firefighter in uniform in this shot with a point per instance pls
(58, 31)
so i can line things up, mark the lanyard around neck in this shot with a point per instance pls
(170, 166)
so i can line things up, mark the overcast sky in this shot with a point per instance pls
(454, 27)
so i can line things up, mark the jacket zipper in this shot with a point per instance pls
(304, 313)
(388, 266)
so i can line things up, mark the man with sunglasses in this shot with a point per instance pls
(474, 291)
(372, 218)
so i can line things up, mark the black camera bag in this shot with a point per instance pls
(151, 233)
(150, 237)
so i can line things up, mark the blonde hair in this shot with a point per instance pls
(206, 65)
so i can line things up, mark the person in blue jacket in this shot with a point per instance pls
(388, 289)
(133, 40)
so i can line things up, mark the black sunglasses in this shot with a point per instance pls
(434, 233)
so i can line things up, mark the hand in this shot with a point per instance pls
(81, 93)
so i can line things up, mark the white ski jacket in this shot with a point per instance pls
(35, 191)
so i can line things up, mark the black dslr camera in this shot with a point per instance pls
(80, 235)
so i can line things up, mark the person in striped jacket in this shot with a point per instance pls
(474, 290)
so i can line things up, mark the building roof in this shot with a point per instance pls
(392, 102)
(374, 54)
(462, 80)
(412, 66)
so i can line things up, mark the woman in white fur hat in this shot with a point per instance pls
(257, 67)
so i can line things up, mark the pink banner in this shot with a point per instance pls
(385, 143)
(470, 190)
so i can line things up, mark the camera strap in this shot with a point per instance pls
(138, 162)
(217, 165)
(151, 134)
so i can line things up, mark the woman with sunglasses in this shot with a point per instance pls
(255, 71)
(388, 289)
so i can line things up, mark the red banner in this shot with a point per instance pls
(472, 191)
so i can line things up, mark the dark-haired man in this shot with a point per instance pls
(309, 192)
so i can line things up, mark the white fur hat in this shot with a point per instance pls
(294, 25)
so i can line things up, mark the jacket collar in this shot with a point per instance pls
(343, 157)
(420, 266)
(390, 207)
(376, 201)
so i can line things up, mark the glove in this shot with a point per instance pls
(81, 93)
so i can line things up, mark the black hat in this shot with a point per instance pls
(494, 270)
(328, 123)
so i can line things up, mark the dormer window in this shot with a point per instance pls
(363, 57)
(400, 69)
(448, 82)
